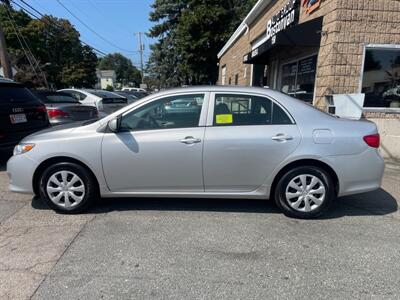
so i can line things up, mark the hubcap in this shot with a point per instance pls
(65, 189)
(305, 193)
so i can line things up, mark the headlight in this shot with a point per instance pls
(23, 148)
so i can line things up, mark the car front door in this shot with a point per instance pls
(248, 137)
(156, 150)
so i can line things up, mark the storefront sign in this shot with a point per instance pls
(311, 5)
(286, 17)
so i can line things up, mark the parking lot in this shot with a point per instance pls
(209, 249)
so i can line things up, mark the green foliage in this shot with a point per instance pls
(109, 88)
(127, 73)
(64, 60)
(190, 34)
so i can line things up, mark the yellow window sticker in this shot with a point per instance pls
(224, 119)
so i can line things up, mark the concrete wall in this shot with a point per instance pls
(389, 130)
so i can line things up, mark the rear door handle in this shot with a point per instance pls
(282, 137)
(189, 140)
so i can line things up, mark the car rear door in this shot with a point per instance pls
(157, 151)
(246, 138)
(21, 113)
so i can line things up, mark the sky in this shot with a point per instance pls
(116, 21)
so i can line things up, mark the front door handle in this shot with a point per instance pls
(282, 137)
(189, 140)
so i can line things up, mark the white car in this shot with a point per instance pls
(130, 89)
(105, 102)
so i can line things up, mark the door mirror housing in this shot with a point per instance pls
(113, 125)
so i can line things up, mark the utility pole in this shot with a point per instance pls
(141, 50)
(4, 60)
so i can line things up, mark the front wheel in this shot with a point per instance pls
(68, 188)
(304, 192)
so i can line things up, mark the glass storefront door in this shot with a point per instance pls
(298, 78)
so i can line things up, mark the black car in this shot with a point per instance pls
(21, 113)
(128, 95)
(62, 108)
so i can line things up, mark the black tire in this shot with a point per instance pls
(284, 204)
(90, 186)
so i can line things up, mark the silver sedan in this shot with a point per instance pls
(240, 143)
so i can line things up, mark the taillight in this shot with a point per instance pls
(41, 109)
(57, 113)
(373, 140)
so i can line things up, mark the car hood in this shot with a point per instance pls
(55, 131)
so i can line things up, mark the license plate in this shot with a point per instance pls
(18, 118)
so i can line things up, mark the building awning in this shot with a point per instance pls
(306, 34)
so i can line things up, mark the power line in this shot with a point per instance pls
(45, 20)
(17, 33)
(91, 30)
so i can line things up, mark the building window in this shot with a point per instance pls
(298, 78)
(237, 79)
(381, 78)
(223, 75)
(230, 81)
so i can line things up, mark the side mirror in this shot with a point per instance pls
(113, 125)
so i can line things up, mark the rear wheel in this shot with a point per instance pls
(68, 188)
(305, 192)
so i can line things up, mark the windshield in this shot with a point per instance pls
(103, 94)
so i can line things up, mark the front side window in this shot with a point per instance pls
(182, 111)
(381, 79)
(241, 110)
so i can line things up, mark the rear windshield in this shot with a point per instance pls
(103, 94)
(16, 94)
(114, 101)
(57, 98)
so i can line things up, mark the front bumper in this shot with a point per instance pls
(20, 170)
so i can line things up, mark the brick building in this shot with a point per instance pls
(313, 49)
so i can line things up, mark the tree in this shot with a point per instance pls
(190, 34)
(55, 46)
(126, 72)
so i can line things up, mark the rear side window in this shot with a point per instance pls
(77, 95)
(16, 94)
(241, 110)
(279, 116)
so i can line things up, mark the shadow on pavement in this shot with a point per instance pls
(375, 203)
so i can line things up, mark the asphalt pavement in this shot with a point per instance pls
(201, 249)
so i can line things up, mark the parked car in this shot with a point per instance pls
(128, 95)
(105, 102)
(183, 105)
(130, 89)
(62, 108)
(21, 114)
(243, 143)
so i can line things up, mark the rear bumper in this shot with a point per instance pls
(20, 170)
(358, 173)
